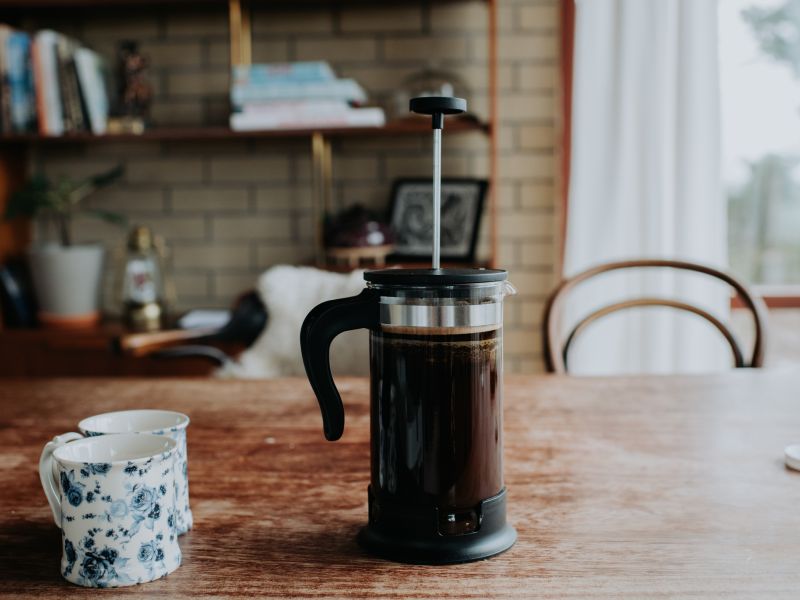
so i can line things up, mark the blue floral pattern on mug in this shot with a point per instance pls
(118, 522)
(183, 516)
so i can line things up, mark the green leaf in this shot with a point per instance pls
(104, 179)
(31, 199)
(108, 216)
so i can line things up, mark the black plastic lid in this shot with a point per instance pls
(434, 277)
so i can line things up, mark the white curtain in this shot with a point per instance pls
(645, 181)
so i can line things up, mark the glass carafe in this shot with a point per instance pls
(436, 490)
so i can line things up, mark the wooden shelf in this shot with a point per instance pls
(271, 4)
(402, 127)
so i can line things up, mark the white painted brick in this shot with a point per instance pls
(272, 22)
(140, 25)
(515, 224)
(337, 49)
(419, 166)
(191, 284)
(208, 21)
(527, 46)
(527, 106)
(365, 19)
(252, 227)
(352, 168)
(276, 254)
(533, 284)
(537, 195)
(421, 48)
(537, 77)
(205, 256)
(540, 253)
(227, 285)
(270, 198)
(521, 341)
(178, 228)
(538, 17)
(134, 200)
(168, 53)
(168, 170)
(459, 16)
(536, 137)
(527, 166)
(217, 199)
(530, 313)
(173, 112)
(201, 83)
(250, 168)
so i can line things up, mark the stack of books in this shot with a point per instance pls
(298, 95)
(50, 84)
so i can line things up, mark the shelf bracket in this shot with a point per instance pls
(322, 190)
(240, 33)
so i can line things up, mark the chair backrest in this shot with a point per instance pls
(556, 352)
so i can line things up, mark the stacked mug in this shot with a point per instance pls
(119, 492)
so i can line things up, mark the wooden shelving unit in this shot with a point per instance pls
(404, 127)
(13, 148)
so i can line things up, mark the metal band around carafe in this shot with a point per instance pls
(448, 315)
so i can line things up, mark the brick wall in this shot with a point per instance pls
(231, 209)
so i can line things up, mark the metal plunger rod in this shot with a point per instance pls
(437, 107)
(437, 198)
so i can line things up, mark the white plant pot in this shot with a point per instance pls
(67, 282)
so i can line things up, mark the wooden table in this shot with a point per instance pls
(619, 487)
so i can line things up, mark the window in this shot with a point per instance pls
(760, 96)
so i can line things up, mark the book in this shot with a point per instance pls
(71, 104)
(338, 89)
(93, 79)
(45, 74)
(19, 77)
(255, 120)
(5, 88)
(267, 73)
(297, 107)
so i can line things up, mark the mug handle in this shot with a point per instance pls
(323, 323)
(47, 474)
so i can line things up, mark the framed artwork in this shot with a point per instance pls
(411, 218)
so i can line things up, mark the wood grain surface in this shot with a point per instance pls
(619, 487)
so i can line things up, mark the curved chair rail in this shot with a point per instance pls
(555, 353)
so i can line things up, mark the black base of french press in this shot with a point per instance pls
(423, 535)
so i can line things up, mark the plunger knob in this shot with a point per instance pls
(437, 107)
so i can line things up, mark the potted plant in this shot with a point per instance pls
(66, 276)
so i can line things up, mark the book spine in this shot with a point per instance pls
(316, 71)
(20, 82)
(361, 117)
(341, 89)
(5, 84)
(68, 84)
(38, 81)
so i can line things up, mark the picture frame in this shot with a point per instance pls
(411, 218)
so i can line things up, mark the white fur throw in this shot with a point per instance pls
(289, 293)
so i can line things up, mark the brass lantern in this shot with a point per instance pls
(145, 288)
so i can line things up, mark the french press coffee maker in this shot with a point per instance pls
(436, 491)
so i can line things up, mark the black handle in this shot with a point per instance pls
(210, 353)
(322, 324)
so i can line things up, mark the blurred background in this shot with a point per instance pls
(200, 144)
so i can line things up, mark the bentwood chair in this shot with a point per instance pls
(556, 351)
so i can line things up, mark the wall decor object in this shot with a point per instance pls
(411, 217)
(66, 275)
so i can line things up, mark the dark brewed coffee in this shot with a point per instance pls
(436, 417)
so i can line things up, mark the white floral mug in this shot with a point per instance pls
(156, 422)
(113, 499)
